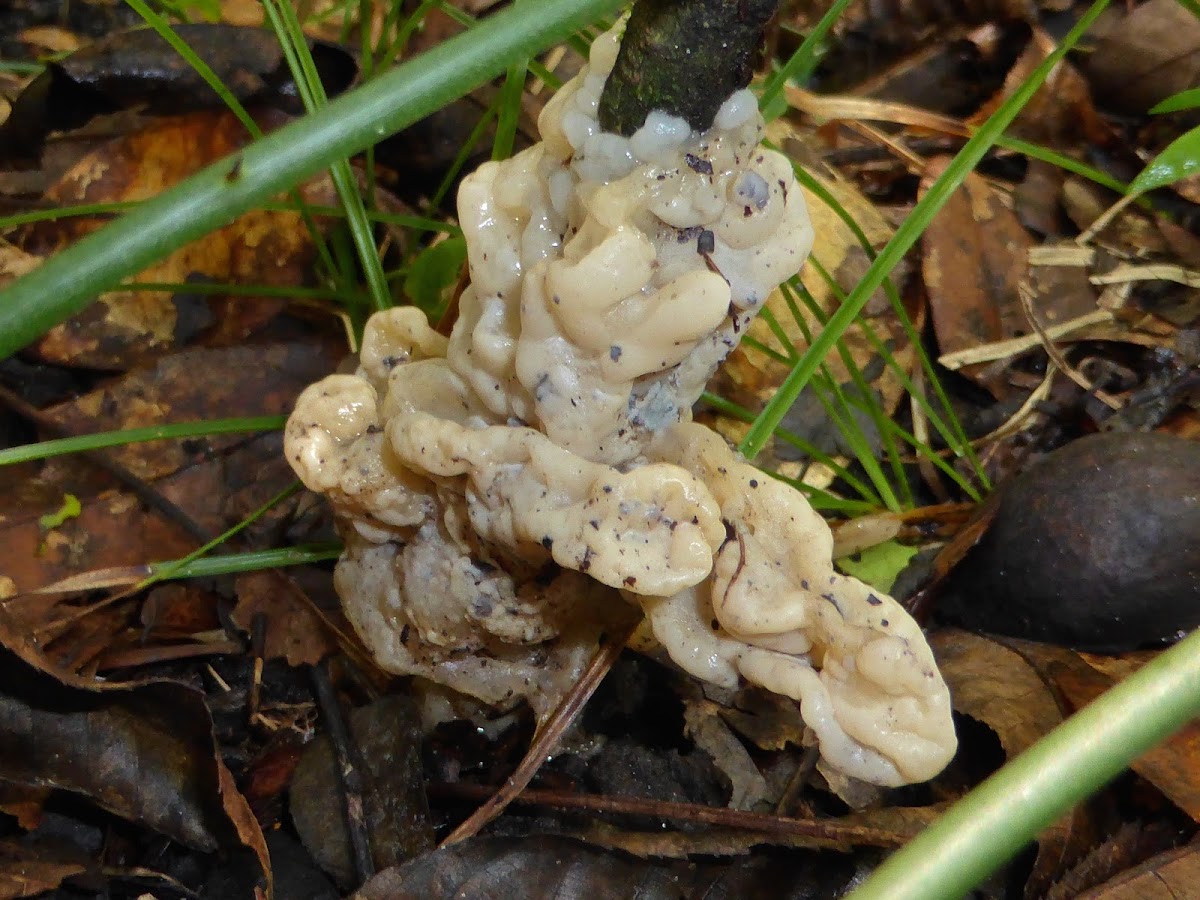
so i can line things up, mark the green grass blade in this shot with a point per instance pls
(206, 288)
(1062, 161)
(879, 417)
(1191, 6)
(63, 446)
(282, 16)
(166, 571)
(802, 62)
(67, 282)
(413, 223)
(464, 153)
(736, 411)
(20, 68)
(509, 115)
(1180, 159)
(907, 235)
(1188, 99)
(254, 561)
(203, 69)
(950, 429)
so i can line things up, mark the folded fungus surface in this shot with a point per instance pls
(509, 493)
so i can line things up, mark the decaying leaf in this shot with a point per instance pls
(973, 256)
(1173, 767)
(1169, 876)
(193, 385)
(1060, 113)
(1129, 846)
(139, 68)
(294, 631)
(542, 868)
(144, 752)
(24, 874)
(997, 686)
(1145, 53)
(262, 247)
(708, 729)
(994, 685)
(395, 812)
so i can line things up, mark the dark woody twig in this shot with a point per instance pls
(683, 57)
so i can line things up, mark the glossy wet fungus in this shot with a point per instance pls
(506, 494)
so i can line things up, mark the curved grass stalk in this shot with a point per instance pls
(115, 207)
(879, 418)
(282, 17)
(906, 382)
(837, 409)
(907, 235)
(737, 411)
(801, 63)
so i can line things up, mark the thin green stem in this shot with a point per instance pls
(62, 446)
(464, 153)
(879, 417)
(171, 570)
(907, 235)
(415, 223)
(801, 63)
(949, 428)
(193, 59)
(254, 561)
(20, 68)
(833, 399)
(312, 92)
(737, 411)
(285, 292)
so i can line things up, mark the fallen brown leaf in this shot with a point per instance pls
(545, 867)
(192, 385)
(22, 875)
(1144, 54)
(1173, 767)
(293, 629)
(997, 686)
(973, 259)
(142, 751)
(1170, 876)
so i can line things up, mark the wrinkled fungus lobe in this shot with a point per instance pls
(499, 492)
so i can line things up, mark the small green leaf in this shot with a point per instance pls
(69, 510)
(433, 273)
(1188, 99)
(878, 566)
(1180, 159)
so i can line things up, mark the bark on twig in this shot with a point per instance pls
(683, 57)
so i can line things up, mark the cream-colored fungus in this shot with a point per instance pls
(500, 492)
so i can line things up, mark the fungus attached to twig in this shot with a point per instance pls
(503, 494)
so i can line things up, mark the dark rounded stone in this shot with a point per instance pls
(1097, 547)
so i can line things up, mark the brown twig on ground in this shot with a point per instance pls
(824, 830)
(1026, 297)
(350, 770)
(682, 57)
(546, 738)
